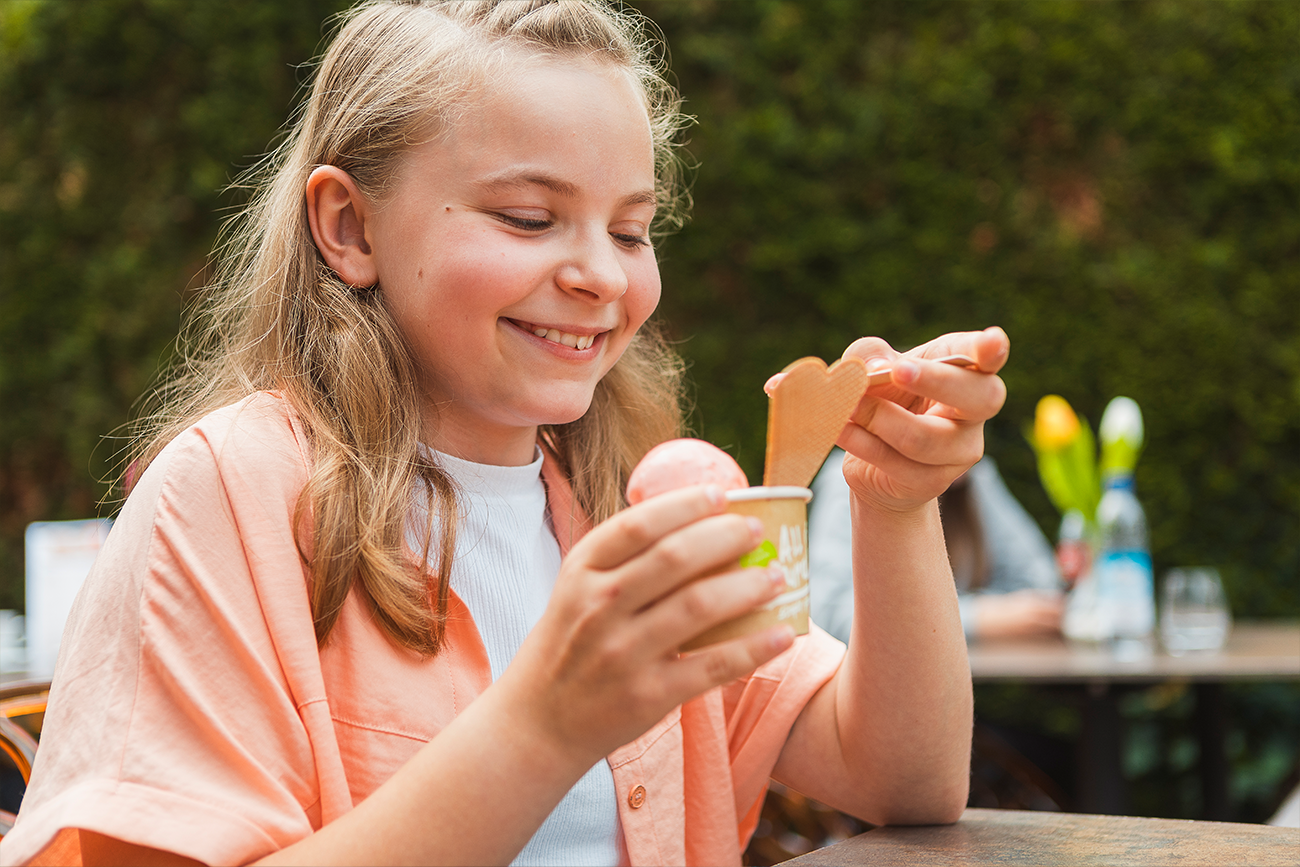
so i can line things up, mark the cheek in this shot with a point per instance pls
(485, 273)
(643, 295)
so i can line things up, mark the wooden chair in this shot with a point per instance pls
(793, 825)
(22, 711)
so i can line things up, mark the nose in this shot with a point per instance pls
(592, 269)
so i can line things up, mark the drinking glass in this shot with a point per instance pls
(1194, 613)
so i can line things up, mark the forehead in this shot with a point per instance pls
(571, 121)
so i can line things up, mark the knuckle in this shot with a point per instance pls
(869, 347)
(973, 450)
(724, 665)
(697, 601)
(911, 442)
(584, 620)
(999, 393)
(673, 559)
(636, 527)
(606, 593)
(645, 696)
(593, 610)
(616, 653)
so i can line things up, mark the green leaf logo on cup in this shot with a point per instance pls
(760, 556)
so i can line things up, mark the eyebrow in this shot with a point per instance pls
(516, 180)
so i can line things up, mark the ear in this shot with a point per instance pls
(339, 216)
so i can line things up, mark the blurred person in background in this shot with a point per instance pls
(1008, 581)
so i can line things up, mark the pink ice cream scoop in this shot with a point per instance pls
(681, 462)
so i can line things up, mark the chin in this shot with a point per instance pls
(559, 418)
(565, 411)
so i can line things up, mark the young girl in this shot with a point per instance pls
(374, 597)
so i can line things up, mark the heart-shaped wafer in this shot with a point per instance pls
(809, 408)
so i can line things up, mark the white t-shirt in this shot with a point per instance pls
(504, 570)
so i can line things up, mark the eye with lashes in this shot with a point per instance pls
(630, 240)
(530, 225)
(534, 225)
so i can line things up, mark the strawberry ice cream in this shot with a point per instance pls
(682, 462)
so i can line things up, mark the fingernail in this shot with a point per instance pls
(755, 527)
(716, 495)
(776, 576)
(780, 638)
(906, 371)
(876, 364)
(995, 330)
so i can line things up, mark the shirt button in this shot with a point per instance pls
(636, 797)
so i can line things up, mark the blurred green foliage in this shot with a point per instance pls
(121, 123)
(1161, 741)
(1116, 184)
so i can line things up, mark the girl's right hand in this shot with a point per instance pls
(602, 665)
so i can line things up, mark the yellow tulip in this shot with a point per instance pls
(1055, 424)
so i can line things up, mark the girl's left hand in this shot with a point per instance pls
(908, 440)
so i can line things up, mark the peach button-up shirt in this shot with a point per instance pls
(192, 710)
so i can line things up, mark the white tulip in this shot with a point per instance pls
(1122, 422)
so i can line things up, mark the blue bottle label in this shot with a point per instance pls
(1126, 587)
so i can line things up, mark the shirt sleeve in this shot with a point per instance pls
(830, 550)
(1020, 556)
(172, 721)
(762, 709)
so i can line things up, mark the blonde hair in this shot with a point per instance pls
(277, 317)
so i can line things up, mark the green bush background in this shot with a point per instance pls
(1116, 184)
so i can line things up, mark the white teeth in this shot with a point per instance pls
(573, 341)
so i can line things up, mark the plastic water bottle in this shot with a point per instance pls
(1125, 586)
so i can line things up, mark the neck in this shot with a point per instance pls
(505, 447)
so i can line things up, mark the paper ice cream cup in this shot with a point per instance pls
(784, 513)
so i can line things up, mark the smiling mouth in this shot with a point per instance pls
(564, 338)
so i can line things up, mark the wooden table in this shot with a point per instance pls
(1254, 651)
(1012, 837)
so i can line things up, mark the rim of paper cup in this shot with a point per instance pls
(775, 492)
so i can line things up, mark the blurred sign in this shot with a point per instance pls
(59, 556)
(13, 649)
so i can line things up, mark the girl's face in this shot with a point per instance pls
(514, 255)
